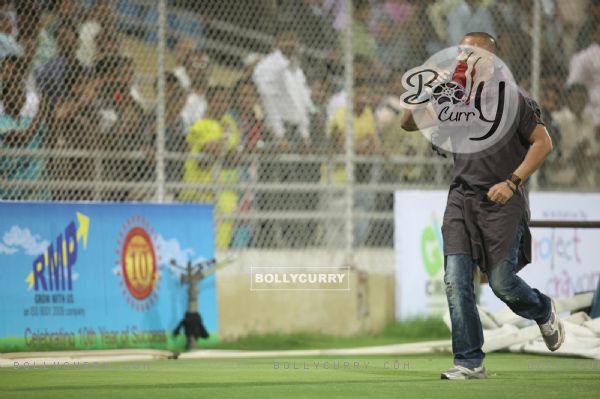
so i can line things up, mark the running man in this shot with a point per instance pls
(486, 224)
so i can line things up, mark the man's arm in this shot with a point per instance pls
(426, 116)
(540, 148)
(407, 122)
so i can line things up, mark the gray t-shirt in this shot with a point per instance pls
(474, 225)
(496, 164)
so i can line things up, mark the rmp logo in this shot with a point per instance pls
(138, 261)
(52, 270)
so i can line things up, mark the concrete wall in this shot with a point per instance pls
(367, 306)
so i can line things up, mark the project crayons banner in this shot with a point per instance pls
(88, 276)
(564, 260)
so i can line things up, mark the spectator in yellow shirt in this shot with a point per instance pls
(364, 128)
(366, 142)
(218, 138)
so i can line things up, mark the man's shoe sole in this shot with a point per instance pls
(478, 376)
(561, 332)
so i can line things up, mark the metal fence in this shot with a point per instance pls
(284, 114)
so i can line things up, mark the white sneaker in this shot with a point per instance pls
(464, 373)
(553, 331)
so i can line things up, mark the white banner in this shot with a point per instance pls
(563, 259)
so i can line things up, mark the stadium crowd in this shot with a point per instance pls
(67, 84)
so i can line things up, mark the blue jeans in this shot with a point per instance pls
(467, 334)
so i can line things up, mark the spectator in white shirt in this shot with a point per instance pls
(284, 92)
(101, 20)
(192, 73)
(579, 144)
(585, 69)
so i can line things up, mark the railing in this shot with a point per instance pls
(573, 224)
(319, 185)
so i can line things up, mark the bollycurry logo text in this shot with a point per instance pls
(463, 99)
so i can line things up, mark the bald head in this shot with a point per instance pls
(480, 39)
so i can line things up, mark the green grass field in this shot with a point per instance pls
(510, 376)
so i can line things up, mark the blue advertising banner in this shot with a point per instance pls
(90, 276)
